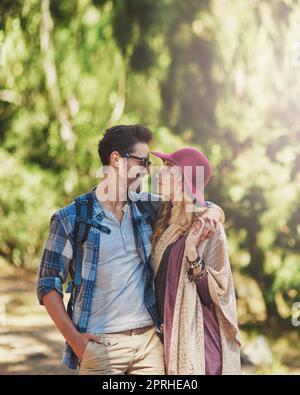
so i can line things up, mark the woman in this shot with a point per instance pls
(194, 287)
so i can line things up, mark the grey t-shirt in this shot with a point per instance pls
(118, 298)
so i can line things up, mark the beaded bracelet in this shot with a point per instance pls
(198, 262)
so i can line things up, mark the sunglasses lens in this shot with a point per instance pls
(143, 162)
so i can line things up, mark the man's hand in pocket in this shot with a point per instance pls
(80, 343)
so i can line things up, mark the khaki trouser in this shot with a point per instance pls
(136, 351)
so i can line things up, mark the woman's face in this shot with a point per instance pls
(169, 182)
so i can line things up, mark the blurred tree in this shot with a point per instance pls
(219, 75)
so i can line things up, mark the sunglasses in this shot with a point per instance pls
(145, 162)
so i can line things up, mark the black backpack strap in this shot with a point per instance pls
(83, 223)
(84, 215)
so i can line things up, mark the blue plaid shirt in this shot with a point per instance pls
(58, 254)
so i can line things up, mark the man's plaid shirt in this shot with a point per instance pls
(58, 254)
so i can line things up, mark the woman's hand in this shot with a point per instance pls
(203, 228)
(196, 233)
(194, 238)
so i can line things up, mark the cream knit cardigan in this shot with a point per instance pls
(187, 354)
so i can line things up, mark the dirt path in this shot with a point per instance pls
(29, 341)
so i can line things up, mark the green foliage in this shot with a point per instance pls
(218, 75)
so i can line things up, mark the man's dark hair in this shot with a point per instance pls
(122, 138)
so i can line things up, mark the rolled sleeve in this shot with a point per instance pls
(56, 260)
(209, 203)
(47, 284)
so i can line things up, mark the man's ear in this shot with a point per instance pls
(114, 159)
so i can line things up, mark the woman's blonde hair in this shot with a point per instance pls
(176, 214)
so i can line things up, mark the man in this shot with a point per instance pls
(114, 326)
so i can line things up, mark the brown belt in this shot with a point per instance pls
(136, 331)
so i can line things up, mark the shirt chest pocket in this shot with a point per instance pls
(129, 242)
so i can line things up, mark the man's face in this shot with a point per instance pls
(132, 167)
